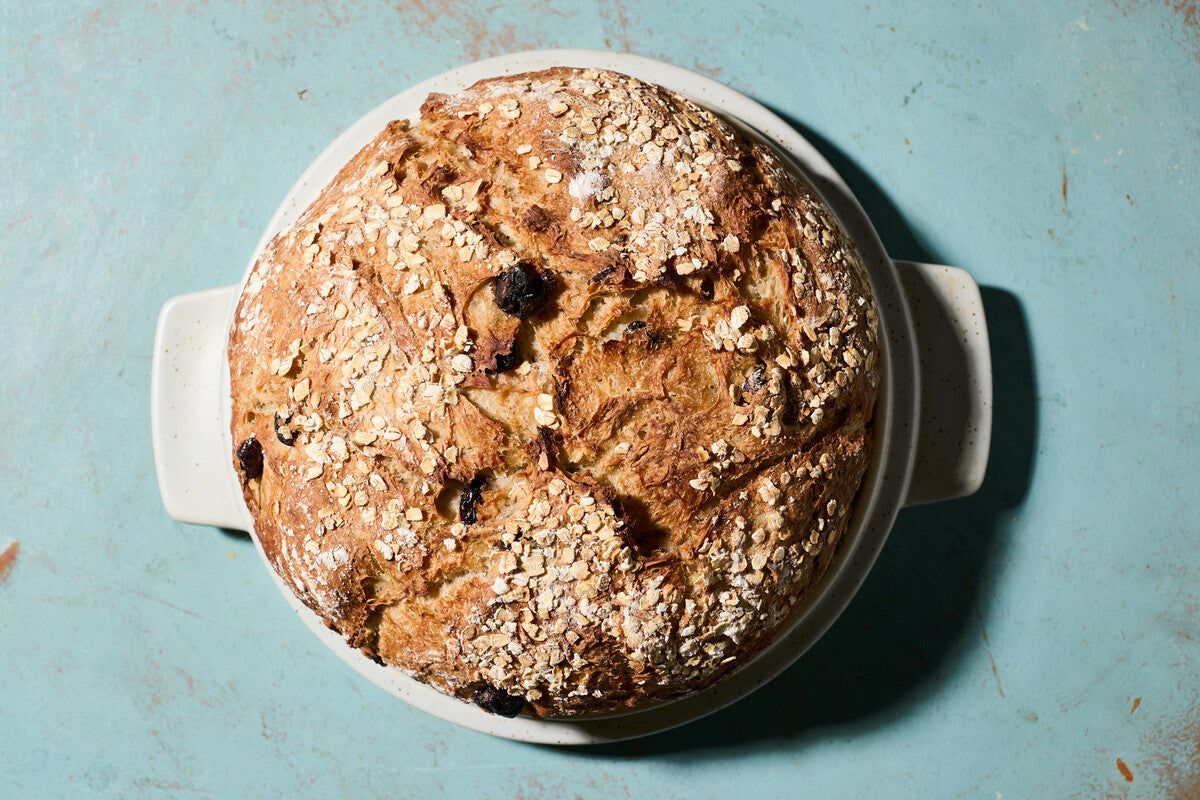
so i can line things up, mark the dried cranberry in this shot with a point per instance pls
(497, 701)
(283, 433)
(605, 274)
(506, 361)
(471, 497)
(250, 456)
(756, 380)
(521, 290)
(653, 339)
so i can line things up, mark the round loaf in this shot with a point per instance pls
(558, 397)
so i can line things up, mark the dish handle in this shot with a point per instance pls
(191, 453)
(955, 374)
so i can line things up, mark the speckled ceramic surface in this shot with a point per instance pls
(1035, 639)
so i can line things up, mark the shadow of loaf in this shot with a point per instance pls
(918, 612)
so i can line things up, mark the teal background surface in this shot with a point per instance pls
(1014, 644)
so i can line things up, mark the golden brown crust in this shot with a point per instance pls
(668, 445)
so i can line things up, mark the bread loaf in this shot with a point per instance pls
(558, 397)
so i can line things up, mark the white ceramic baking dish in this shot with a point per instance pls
(933, 418)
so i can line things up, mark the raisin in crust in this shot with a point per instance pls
(563, 389)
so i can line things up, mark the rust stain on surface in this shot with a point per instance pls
(1064, 183)
(986, 643)
(478, 36)
(1177, 749)
(1184, 28)
(995, 674)
(620, 23)
(1126, 772)
(7, 559)
(492, 40)
(1189, 12)
(1137, 701)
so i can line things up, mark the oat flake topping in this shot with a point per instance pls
(563, 394)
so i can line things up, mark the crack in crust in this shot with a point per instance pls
(671, 406)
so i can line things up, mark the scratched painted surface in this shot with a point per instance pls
(1039, 639)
